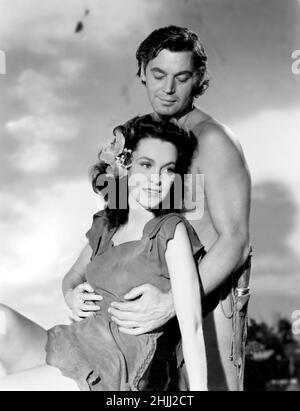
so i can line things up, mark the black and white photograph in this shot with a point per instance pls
(149, 198)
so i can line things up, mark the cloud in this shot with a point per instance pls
(70, 71)
(38, 91)
(38, 133)
(48, 128)
(46, 235)
(268, 283)
(48, 23)
(36, 158)
(41, 25)
(271, 143)
(43, 92)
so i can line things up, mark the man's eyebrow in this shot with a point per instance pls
(159, 70)
(190, 73)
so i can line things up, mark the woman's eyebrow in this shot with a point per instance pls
(169, 163)
(145, 158)
(151, 160)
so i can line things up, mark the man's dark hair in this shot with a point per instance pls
(175, 39)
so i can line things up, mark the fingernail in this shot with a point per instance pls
(109, 311)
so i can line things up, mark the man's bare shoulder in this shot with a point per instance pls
(210, 131)
(217, 144)
(214, 136)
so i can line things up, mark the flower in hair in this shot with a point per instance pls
(118, 158)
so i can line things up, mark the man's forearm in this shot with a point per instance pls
(222, 259)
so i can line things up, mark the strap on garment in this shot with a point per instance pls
(240, 295)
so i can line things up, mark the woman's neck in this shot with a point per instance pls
(138, 215)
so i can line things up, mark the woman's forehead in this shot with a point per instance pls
(155, 149)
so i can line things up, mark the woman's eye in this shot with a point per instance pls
(146, 165)
(158, 77)
(170, 170)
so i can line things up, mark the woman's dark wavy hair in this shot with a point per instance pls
(134, 131)
(175, 39)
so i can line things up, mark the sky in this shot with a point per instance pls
(64, 92)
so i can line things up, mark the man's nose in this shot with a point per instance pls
(169, 86)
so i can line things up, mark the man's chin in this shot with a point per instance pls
(165, 111)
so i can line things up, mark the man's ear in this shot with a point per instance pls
(143, 75)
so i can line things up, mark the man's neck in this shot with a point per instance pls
(181, 117)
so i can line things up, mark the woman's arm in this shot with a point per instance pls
(76, 274)
(79, 295)
(187, 301)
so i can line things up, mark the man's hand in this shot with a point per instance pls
(81, 301)
(150, 311)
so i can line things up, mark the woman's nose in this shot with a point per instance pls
(155, 179)
(169, 86)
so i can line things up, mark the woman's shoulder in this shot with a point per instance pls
(99, 215)
(163, 228)
(97, 230)
(165, 224)
(99, 220)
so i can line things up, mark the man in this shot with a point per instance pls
(172, 65)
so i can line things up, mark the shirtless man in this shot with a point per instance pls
(173, 67)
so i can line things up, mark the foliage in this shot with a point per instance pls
(269, 352)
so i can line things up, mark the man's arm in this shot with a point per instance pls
(228, 193)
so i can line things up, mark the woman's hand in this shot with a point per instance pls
(82, 301)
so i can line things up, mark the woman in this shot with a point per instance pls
(147, 240)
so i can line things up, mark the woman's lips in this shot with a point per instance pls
(152, 191)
